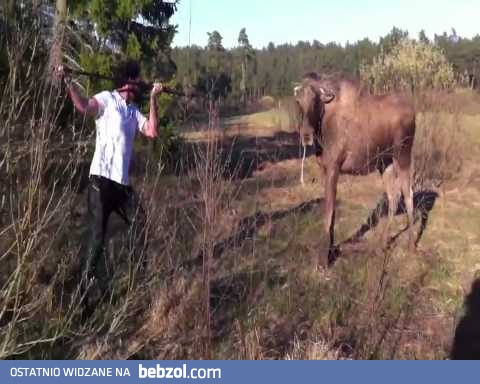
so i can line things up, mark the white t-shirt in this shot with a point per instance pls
(116, 124)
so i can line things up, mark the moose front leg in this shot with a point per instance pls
(331, 179)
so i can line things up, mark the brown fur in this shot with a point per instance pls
(357, 133)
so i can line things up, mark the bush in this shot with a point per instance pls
(410, 66)
(439, 147)
(268, 102)
(168, 144)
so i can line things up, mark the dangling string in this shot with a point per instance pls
(303, 162)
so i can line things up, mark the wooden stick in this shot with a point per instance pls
(141, 83)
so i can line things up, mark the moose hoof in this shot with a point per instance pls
(322, 261)
(327, 257)
(333, 255)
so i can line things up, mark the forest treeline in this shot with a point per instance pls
(100, 33)
(245, 73)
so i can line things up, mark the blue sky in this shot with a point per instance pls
(282, 21)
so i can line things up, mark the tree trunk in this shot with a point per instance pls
(56, 53)
(243, 82)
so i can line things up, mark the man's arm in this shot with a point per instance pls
(85, 105)
(82, 104)
(150, 126)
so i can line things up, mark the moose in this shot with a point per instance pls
(355, 132)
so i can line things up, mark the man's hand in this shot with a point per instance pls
(61, 74)
(156, 90)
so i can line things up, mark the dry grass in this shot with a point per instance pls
(440, 138)
(264, 300)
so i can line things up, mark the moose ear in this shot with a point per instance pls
(326, 96)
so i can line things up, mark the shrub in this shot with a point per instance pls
(410, 66)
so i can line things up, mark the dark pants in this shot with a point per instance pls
(104, 197)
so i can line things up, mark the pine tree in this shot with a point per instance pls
(136, 29)
(247, 54)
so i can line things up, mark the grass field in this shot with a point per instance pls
(372, 303)
(235, 235)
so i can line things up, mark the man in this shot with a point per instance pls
(117, 121)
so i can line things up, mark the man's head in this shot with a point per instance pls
(127, 73)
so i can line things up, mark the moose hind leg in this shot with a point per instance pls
(392, 189)
(405, 179)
